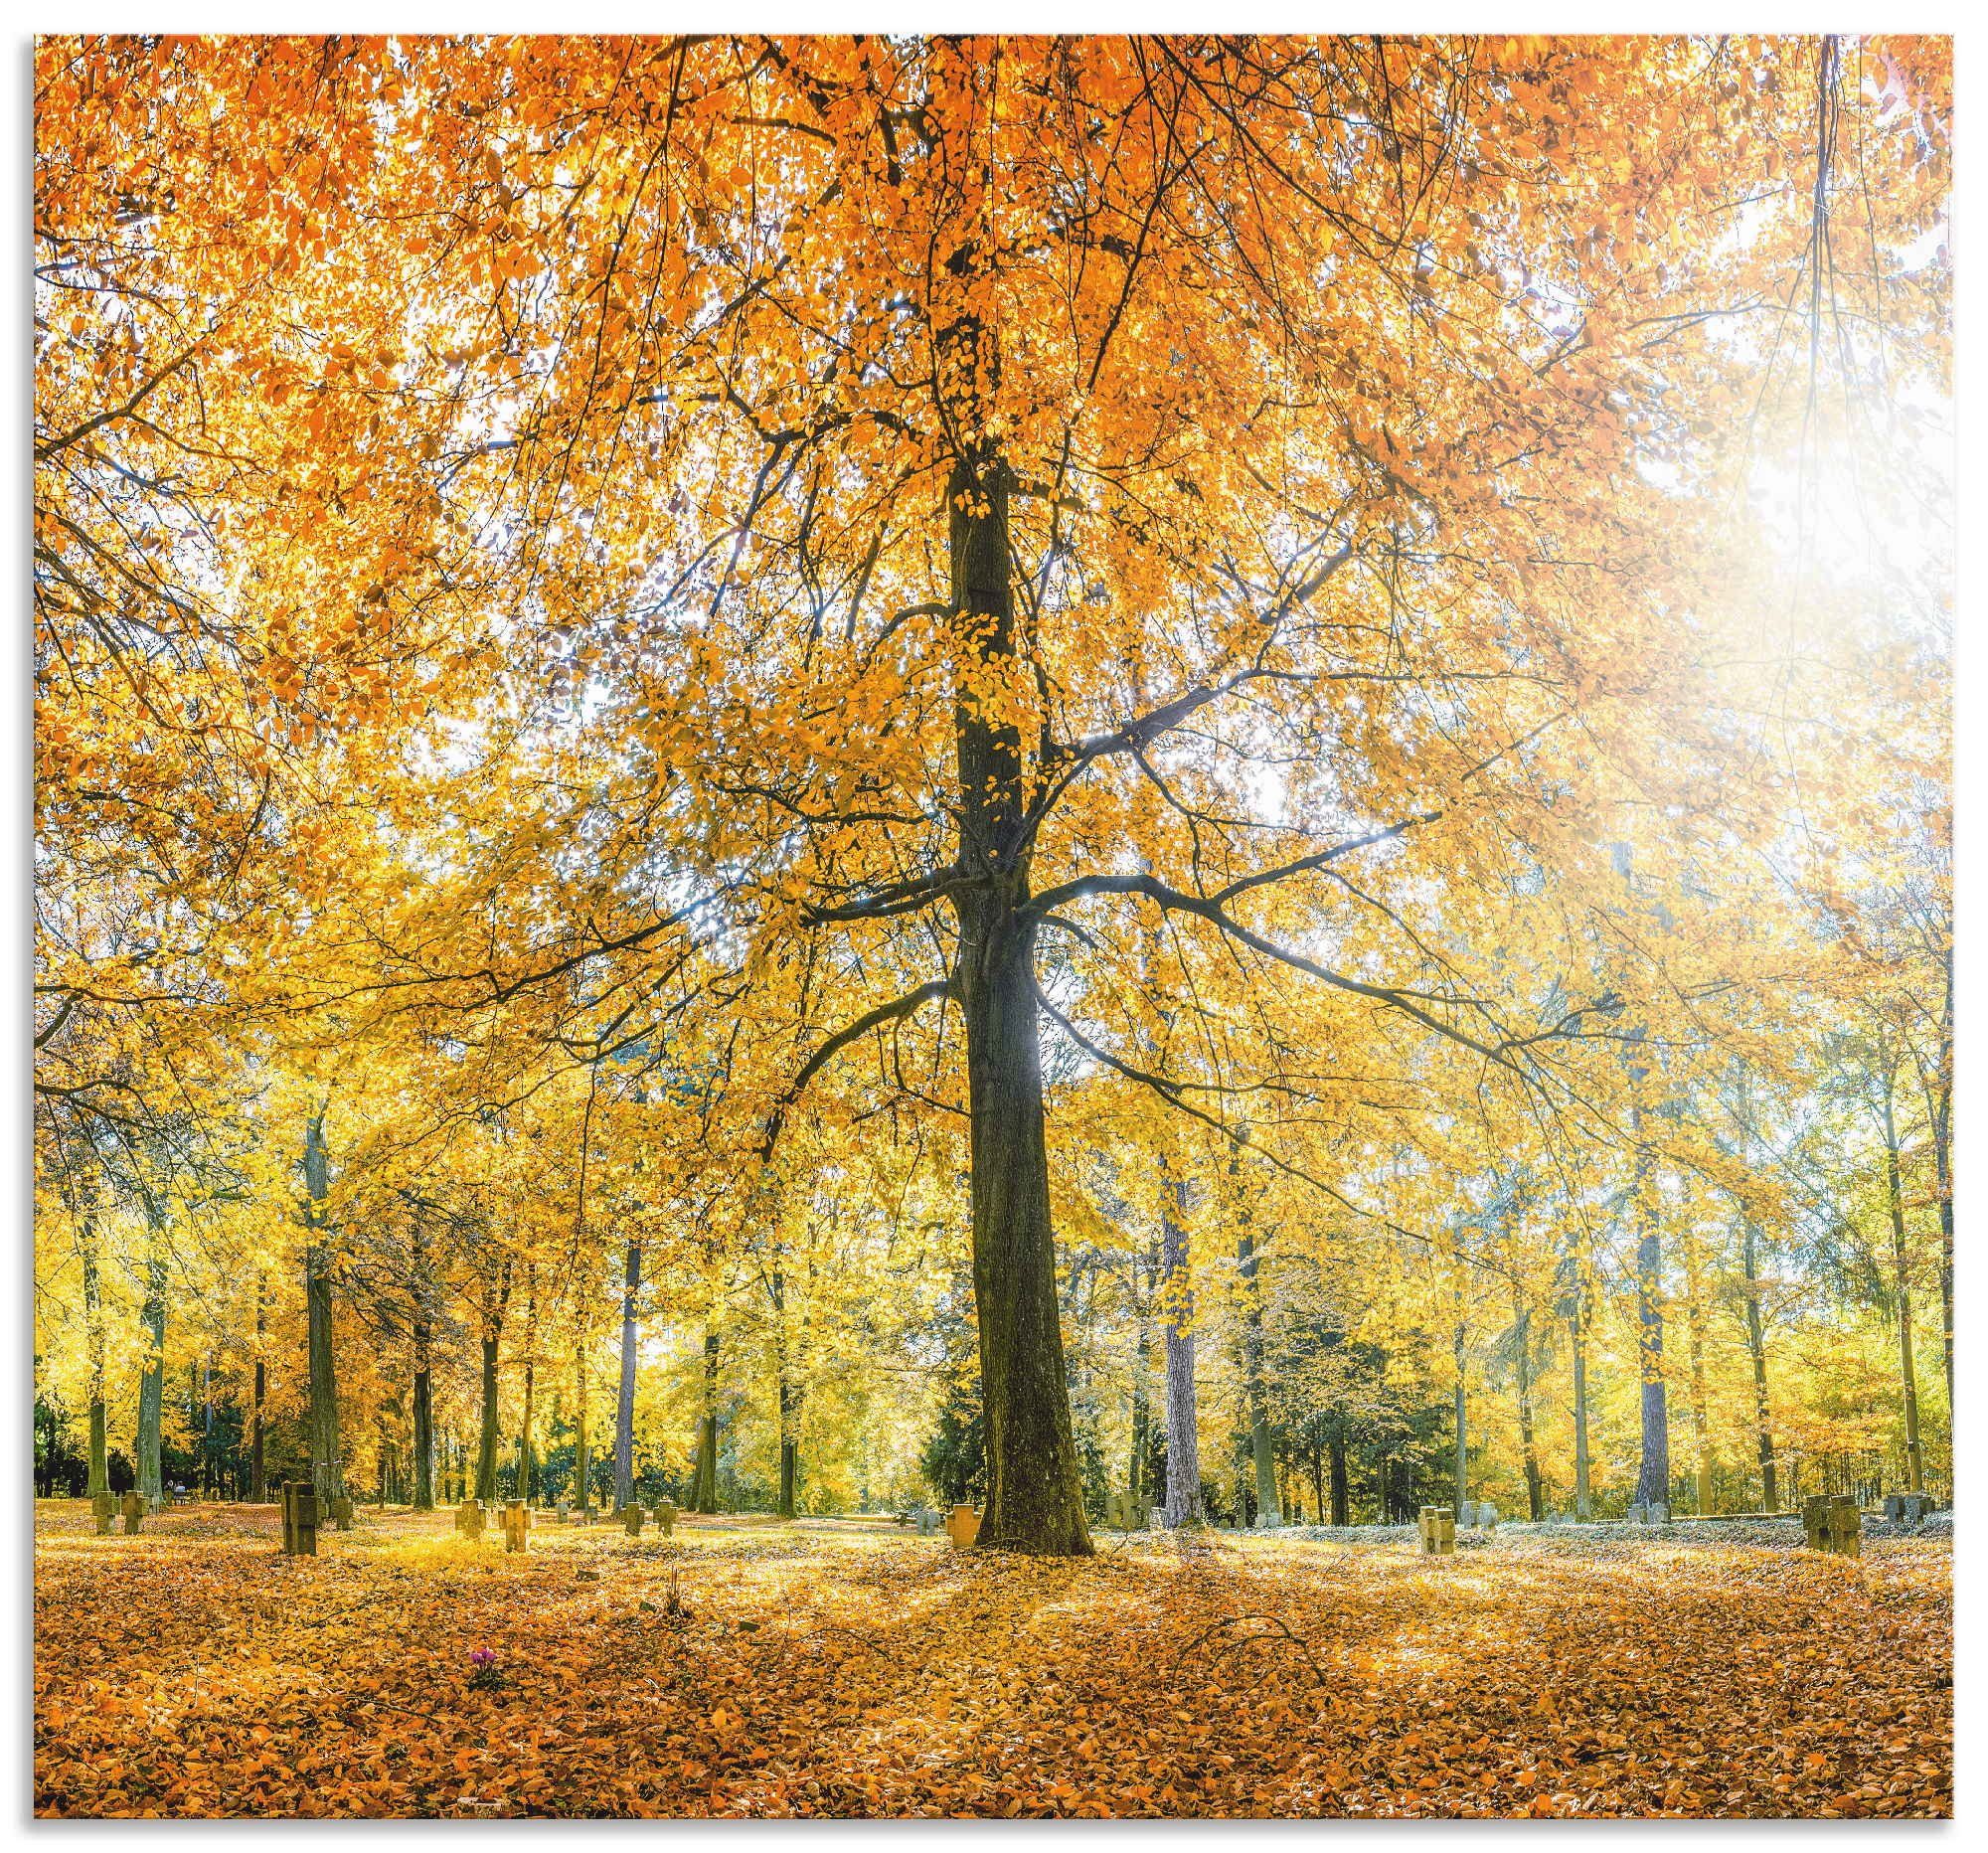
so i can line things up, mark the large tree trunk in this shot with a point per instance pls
(1907, 1368)
(1267, 1512)
(1183, 1505)
(1756, 1349)
(625, 1400)
(1035, 1493)
(326, 1455)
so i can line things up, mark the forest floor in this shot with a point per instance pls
(845, 1669)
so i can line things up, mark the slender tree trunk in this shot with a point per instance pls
(486, 1435)
(1183, 1506)
(583, 1465)
(1653, 1480)
(326, 1454)
(152, 1378)
(1342, 1510)
(1756, 1349)
(423, 1416)
(625, 1400)
(1522, 1318)
(1583, 1496)
(1143, 1375)
(528, 1457)
(1908, 1368)
(92, 1313)
(1035, 1493)
(1701, 1414)
(704, 1481)
(259, 1478)
(786, 1403)
(1267, 1512)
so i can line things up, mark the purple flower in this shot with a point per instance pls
(483, 1657)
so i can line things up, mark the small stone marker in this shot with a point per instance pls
(469, 1519)
(299, 1518)
(103, 1508)
(926, 1521)
(134, 1513)
(565, 1512)
(1437, 1528)
(341, 1511)
(517, 1525)
(962, 1527)
(1908, 1508)
(631, 1517)
(1832, 1523)
(1487, 1515)
(1654, 1512)
(666, 1517)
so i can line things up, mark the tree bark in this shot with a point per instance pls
(92, 1313)
(786, 1402)
(1035, 1493)
(1522, 1320)
(152, 1378)
(1342, 1511)
(259, 1478)
(1907, 1368)
(1756, 1349)
(1653, 1479)
(583, 1467)
(1183, 1504)
(486, 1437)
(1701, 1414)
(1584, 1495)
(527, 1459)
(423, 1418)
(625, 1400)
(326, 1455)
(1142, 1371)
(1267, 1512)
(704, 1481)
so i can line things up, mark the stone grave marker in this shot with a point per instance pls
(1437, 1526)
(1832, 1523)
(1487, 1515)
(103, 1508)
(341, 1511)
(134, 1513)
(469, 1519)
(666, 1517)
(962, 1527)
(517, 1526)
(631, 1517)
(299, 1518)
(926, 1521)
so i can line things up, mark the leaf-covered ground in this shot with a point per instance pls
(828, 1669)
